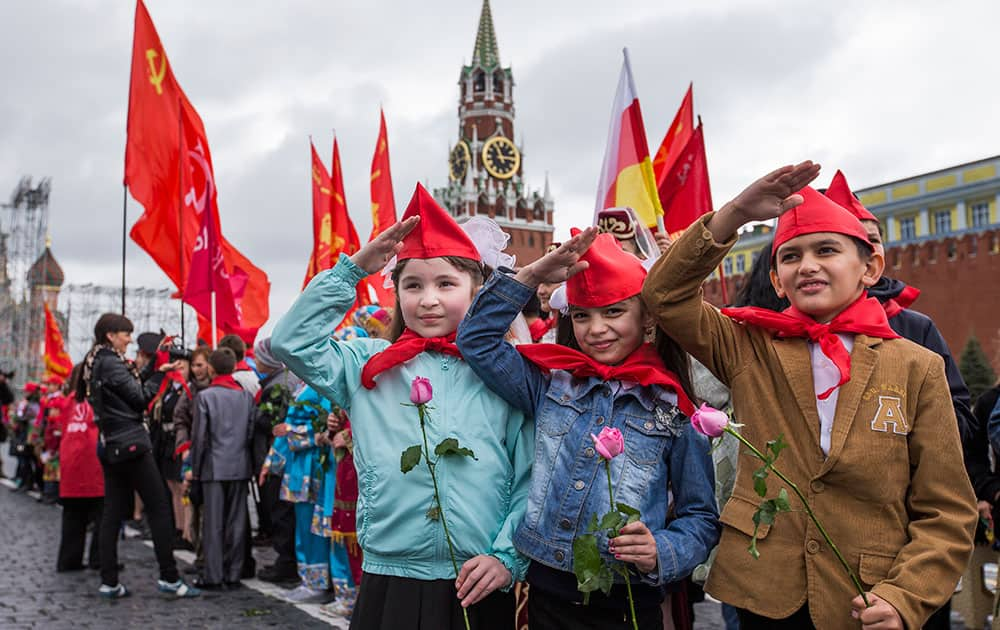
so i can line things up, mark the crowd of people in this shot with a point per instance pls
(525, 377)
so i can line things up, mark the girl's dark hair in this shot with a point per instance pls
(111, 323)
(476, 270)
(73, 384)
(674, 359)
(758, 290)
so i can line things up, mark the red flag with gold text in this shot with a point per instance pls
(176, 185)
(383, 204)
(676, 138)
(685, 191)
(57, 361)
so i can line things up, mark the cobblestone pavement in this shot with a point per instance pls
(33, 595)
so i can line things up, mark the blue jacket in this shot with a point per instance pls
(569, 484)
(483, 499)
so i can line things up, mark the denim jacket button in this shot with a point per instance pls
(648, 425)
(565, 524)
(579, 485)
(559, 556)
(600, 420)
(564, 398)
(589, 452)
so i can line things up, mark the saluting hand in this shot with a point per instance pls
(380, 250)
(561, 263)
(767, 198)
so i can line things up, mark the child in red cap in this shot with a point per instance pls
(609, 377)
(408, 580)
(871, 432)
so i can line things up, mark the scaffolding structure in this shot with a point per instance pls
(149, 309)
(24, 223)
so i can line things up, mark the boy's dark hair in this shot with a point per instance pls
(757, 289)
(234, 343)
(476, 270)
(533, 308)
(223, 361)
(111, 323)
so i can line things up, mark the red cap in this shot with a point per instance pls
(613, 275)
(31, 387)
(437, 234)
(817, 213)
(840, 192)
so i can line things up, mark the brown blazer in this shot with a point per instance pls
(893, 493)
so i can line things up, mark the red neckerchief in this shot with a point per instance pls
(540, 326)
(903, 301)
(242, 365)
(409, 345)
(227, 381)
(865, 315)
(173, 376)
(643, 366)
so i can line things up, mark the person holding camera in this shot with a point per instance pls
(119, 395)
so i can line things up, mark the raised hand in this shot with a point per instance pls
(380, 250)
(767, 198)
(560, 264)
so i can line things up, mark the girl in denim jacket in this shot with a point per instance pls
(612, 378)
(408, 580)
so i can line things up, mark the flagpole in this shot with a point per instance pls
(180, 209)
(215, 332)
(124, 229)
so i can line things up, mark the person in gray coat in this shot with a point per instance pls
(220, 461)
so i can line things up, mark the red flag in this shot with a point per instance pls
(383, 204)
(677, 137)
(322, 195)
(685, 191)
(208, 275)
(344, 236)
(57, 361)
(175, 186)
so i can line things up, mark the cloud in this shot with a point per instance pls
(882, 90)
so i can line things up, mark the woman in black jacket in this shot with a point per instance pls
(119, 396)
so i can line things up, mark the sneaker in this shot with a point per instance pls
(302, 594)
(178, 588)
(343, 606)
(113, 592)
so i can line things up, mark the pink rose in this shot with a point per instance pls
(609, 443)
(421, 391)
(709, 421)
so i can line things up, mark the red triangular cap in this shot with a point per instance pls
(437, 234)
(840, 192)
(817, 213)
(613, 275)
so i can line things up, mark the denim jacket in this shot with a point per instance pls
(568, 481)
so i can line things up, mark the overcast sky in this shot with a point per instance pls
(883, 90)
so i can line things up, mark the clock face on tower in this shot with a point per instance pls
(458, 161)
(501, 158)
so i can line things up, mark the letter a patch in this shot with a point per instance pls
(890, 412)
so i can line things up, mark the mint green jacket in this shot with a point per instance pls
(484, 499)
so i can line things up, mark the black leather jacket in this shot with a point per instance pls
(119, 399)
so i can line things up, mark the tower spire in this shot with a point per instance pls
(486, 53)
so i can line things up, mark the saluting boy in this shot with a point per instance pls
(873, 440)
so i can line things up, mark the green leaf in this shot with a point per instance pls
(777, 445)
(760, 485)
(782, 501)
(434, 513)
(612, 521)
(765, 513)
(409, 459)
(450, 446)
(605, 579)
(586, 563)
(752, 549)
(627, 509)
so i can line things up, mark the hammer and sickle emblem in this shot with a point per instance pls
(156, 78)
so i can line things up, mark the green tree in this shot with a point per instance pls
(976, 368)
